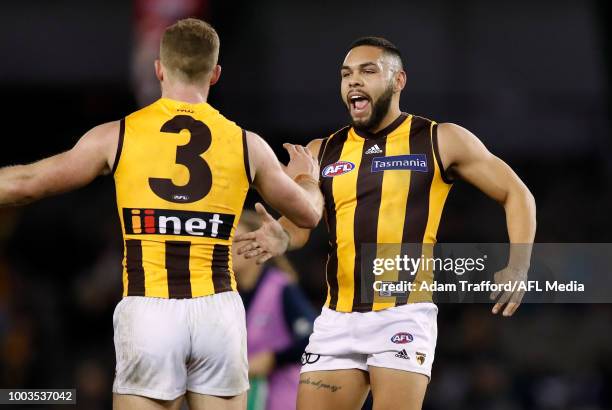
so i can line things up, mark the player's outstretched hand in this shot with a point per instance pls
(301, 162)
(268, 241)
(510, 298)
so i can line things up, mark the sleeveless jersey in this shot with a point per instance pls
(181, 176)
(386, 191)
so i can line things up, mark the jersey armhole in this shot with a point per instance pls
(326, 141)
(322, 150)
(245, 153)
(119, 145)
(434, 140)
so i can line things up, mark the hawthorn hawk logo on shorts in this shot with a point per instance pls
(402, 338)
(420, 357)
(337, 168)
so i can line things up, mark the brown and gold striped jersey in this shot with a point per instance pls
(181, 176)
(383, 188)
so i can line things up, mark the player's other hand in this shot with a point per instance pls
(268, 241)
(509, 301)
(301, 162)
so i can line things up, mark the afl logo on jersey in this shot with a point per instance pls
(402, 338)
(337, 169)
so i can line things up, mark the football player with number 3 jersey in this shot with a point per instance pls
(181, 171)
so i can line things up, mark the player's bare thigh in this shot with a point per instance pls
(333, 390)
(397, 389)
(132, 402)
(198, 401)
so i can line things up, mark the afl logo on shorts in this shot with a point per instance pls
(337, 169)
(310, 358)
(402, 338)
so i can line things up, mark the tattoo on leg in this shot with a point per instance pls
(319, 384)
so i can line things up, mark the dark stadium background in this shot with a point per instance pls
(531, 79)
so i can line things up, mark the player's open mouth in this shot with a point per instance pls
(359, 103)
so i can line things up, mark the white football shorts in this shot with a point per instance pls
(165, 347)
(402, 338)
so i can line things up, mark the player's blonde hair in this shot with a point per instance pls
(189, 50)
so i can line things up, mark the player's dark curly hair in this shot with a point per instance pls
(383, 43)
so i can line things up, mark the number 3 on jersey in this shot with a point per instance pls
(189, 155)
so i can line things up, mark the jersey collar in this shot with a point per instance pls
(385, 131)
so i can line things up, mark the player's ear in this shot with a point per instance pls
(159, 71)
(216, 73)
(400, 81)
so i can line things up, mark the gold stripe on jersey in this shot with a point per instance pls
(154, 265)
(344, 187)
(200, 285)
(390, 216)
(437, 194)
(181, 178)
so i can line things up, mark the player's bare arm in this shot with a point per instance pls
(299, 236)
(302, 203)
(465, 157)
(274, 237)
(92, 155)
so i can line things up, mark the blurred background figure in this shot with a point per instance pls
(279, 321)
(151, 17)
